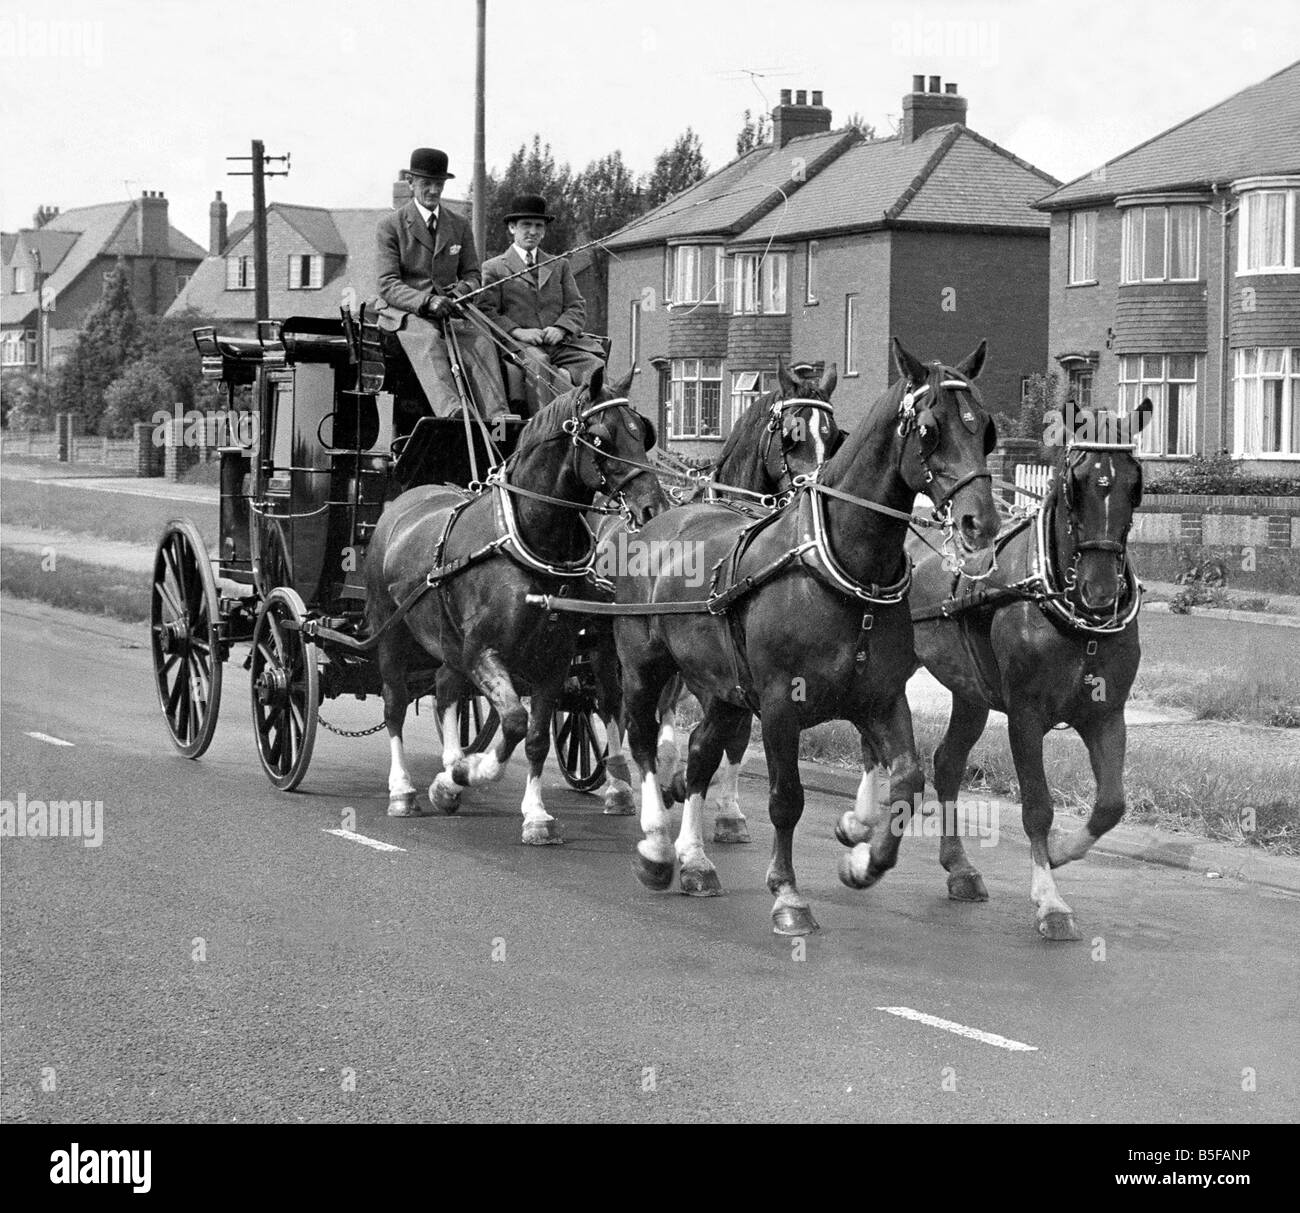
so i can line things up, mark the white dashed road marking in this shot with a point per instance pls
(366, 842)
(51, 740)
(960, 1029)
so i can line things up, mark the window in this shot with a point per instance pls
(19, 348)
(1266, 394)
(810, 274)
(1269, 226)
(240, 275)
(1026, 388)
(306, 272)
(850, 334)
(746, 387)
(697, 398)
(1080, 388)
(634, 331)
(691, 273)
(760, 284)
(22, 280)
(1083, 248)
(1170, 382)
(1162, 244)
(182, 280)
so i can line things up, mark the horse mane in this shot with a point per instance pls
(748, 419)
(884, 409)
(548, 421)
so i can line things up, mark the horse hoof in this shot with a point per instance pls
(617, 768)
(700, 884)
(855, 868)
(543, 834)
(967, 886)
(652, 874)
(405, 806)
(793, 920)
(849, 831)
(1058, 927)
(729, 830)
(444, 794)
(619, 803)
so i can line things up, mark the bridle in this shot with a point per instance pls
(775, 425)
(923, 423)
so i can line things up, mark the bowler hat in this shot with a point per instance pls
(429, 162)
(528, 206)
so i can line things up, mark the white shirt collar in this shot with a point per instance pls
(424, 211)
(523, 254)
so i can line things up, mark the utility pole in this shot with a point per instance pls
(259, 172)
(479, 216)
(39, 282)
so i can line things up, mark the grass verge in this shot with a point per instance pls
(93, 589)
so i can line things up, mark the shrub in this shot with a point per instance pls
(1221, 475)
(135, 395)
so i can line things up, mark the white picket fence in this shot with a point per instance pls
(1034, 477)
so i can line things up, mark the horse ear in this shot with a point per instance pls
(828, 381)
(912, 369)
(595, 383)
(624, 385)
(789, 384)
(973, 363)
(1142, 417)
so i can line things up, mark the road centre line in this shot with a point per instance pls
(364, 841)
(50, 740)
(960, 1029)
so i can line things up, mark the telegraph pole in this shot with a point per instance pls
(259, 172)
(479, 216)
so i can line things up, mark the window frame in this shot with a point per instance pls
(1139, 211)
(245, 275)
(26, 280)
(810, 273)
(742, 397)
(1152, 440)
(1072, 276)
(315, 265)
(679, 380)
(754, 282)
(688, 263)
(850, 342)
(634, 331)
(1290, 263)
(1289, 413)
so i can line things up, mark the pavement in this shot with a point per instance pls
(233, 953)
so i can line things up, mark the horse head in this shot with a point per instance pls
(1096, 487)
(800, 432)
(612, 440)
(947, 436)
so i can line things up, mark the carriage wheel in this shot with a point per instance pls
(184, 621)
(478, 722)
(285, 689)
(581, 747)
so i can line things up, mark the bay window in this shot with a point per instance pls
(761, 284)
(1169, 381)
(691, 274)
(1266, 397)
(696, 398)
(1268, 227)
(1161, 244)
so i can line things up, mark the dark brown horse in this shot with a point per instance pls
(787, 432)
(527, 534)
(820, 631)
(1050, 638)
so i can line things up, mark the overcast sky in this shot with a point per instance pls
(103, 99)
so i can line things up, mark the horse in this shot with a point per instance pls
(1051, 638)
(482, 554)
(806, 622)
(785, 433)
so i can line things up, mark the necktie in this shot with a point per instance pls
(532, 267)
(433, 224)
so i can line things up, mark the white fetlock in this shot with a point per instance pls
(542, 831)
(445, 792)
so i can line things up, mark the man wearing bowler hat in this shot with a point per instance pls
(427, 260)
(538, 303)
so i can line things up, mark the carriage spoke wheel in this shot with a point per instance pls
(581, 747)
(478, 722)
(285, 689)
(184, 626)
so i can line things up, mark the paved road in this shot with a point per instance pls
(327, 964)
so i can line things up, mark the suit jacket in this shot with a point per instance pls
(413, 267)
(521, 304)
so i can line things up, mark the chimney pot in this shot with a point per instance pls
(801, 97)
(934, 84)
(923, 111)
(817, 96)
(217, 226)
(950, 89)
(785, 96)
(918, 84)
(797, 120)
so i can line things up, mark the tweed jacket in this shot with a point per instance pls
(519, 303)
(413, 267)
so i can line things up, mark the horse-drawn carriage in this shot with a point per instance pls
(300, 499)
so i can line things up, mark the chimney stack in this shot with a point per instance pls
(217, 226)
(401, 192)
(790, 121)
(923, 111)
(43, 215)
(151, 224)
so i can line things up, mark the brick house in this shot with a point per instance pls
(1175, 274)
(821, 246)
(63, 260)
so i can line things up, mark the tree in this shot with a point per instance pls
(168, 343)
(857, 122)
(754, 133)
(532, 170)
(107, 342)
(28, 401)
(606, 196)
(677, 167)
(141, 390)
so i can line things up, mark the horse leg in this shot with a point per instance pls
(668, 759)
(491, 677)
(1025, 731)
(642, 684)
(540, 828)
(619, 801)
(729, 825)
(698, 876)
(401, 790)
(889, 737)
(965, 726)
(1106, 740)
(791, 913)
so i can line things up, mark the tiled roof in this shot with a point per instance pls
(1255, 132)
(948, 175)
(723, 200)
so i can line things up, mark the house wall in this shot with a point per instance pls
(1000, 291)
(639, 274)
